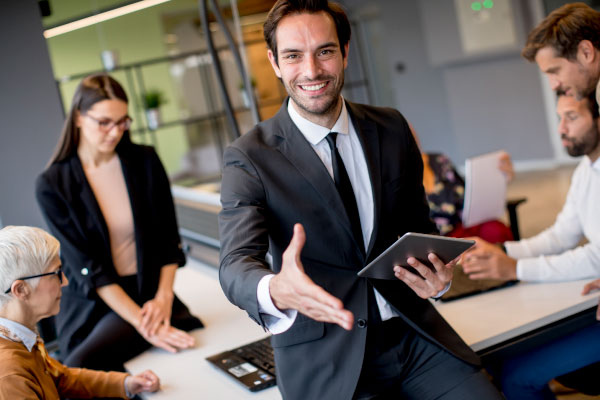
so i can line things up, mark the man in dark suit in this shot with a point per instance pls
(325, 186)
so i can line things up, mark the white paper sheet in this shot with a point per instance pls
(485, 189)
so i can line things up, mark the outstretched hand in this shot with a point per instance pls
(292, 288)
(593, 285)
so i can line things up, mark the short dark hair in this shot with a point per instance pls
(563, 29)
(591, 102)
(283, 8)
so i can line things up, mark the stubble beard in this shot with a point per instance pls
(590, 84)
(323, 109)
(586, 145)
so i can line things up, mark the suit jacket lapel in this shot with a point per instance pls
(302, 156)
(369, 139)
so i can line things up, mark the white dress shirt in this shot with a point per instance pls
(352, 154)
(553, 255)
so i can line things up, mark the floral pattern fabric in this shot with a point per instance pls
(448, 195)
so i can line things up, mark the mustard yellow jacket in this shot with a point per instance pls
(28, 375)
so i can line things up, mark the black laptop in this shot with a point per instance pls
(252, 365)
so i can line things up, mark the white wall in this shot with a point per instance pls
(460, 105)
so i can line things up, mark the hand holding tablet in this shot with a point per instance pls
(415, 245)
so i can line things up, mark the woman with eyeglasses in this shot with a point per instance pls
(30, 268)
(108, 201)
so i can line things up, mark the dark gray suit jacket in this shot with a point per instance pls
(272, 179)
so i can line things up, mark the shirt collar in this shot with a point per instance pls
(314, 133)
(21, 333)
(595, 165)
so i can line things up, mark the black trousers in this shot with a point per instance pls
(400, 364)
(113, 341)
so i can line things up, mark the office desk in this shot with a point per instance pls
(486, 322)
(491, 321)
(187, 375)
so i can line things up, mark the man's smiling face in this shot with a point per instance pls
(310, 64)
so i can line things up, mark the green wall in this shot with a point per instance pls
(136, 37)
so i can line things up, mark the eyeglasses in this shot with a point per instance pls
(106, 125)
(58, 272)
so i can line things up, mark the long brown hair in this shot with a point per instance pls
(91, 90)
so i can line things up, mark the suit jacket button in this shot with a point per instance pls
(84, 271)
(361, 323)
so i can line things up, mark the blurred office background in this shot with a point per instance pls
(452, 67)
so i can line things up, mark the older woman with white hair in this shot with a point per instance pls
(30, 289)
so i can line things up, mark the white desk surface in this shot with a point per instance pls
(491, 318)
(187, 375)
(482, 321)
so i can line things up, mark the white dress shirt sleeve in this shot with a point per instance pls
(580, 263)
(552, 255)
(276, 321)
(443, 291)
(563, 235)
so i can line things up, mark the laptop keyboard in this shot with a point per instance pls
(251, 365)
(259, 353)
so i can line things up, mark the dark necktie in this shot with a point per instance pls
(344, 187)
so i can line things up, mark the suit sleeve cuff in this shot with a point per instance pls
(276, 321)
(98, 280)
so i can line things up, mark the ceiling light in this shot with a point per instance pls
(104, 16)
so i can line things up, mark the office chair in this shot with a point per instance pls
(511, 207)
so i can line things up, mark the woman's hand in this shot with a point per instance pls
(156, 313)
(170, 339)
(147, 381)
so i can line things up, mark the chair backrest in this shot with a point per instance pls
(511, 207)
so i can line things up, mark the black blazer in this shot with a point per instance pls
(74, 217)
(272, 178)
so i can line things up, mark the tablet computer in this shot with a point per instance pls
(417, 245)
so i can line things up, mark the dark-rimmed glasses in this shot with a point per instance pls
(58, 272)
(106, 125)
